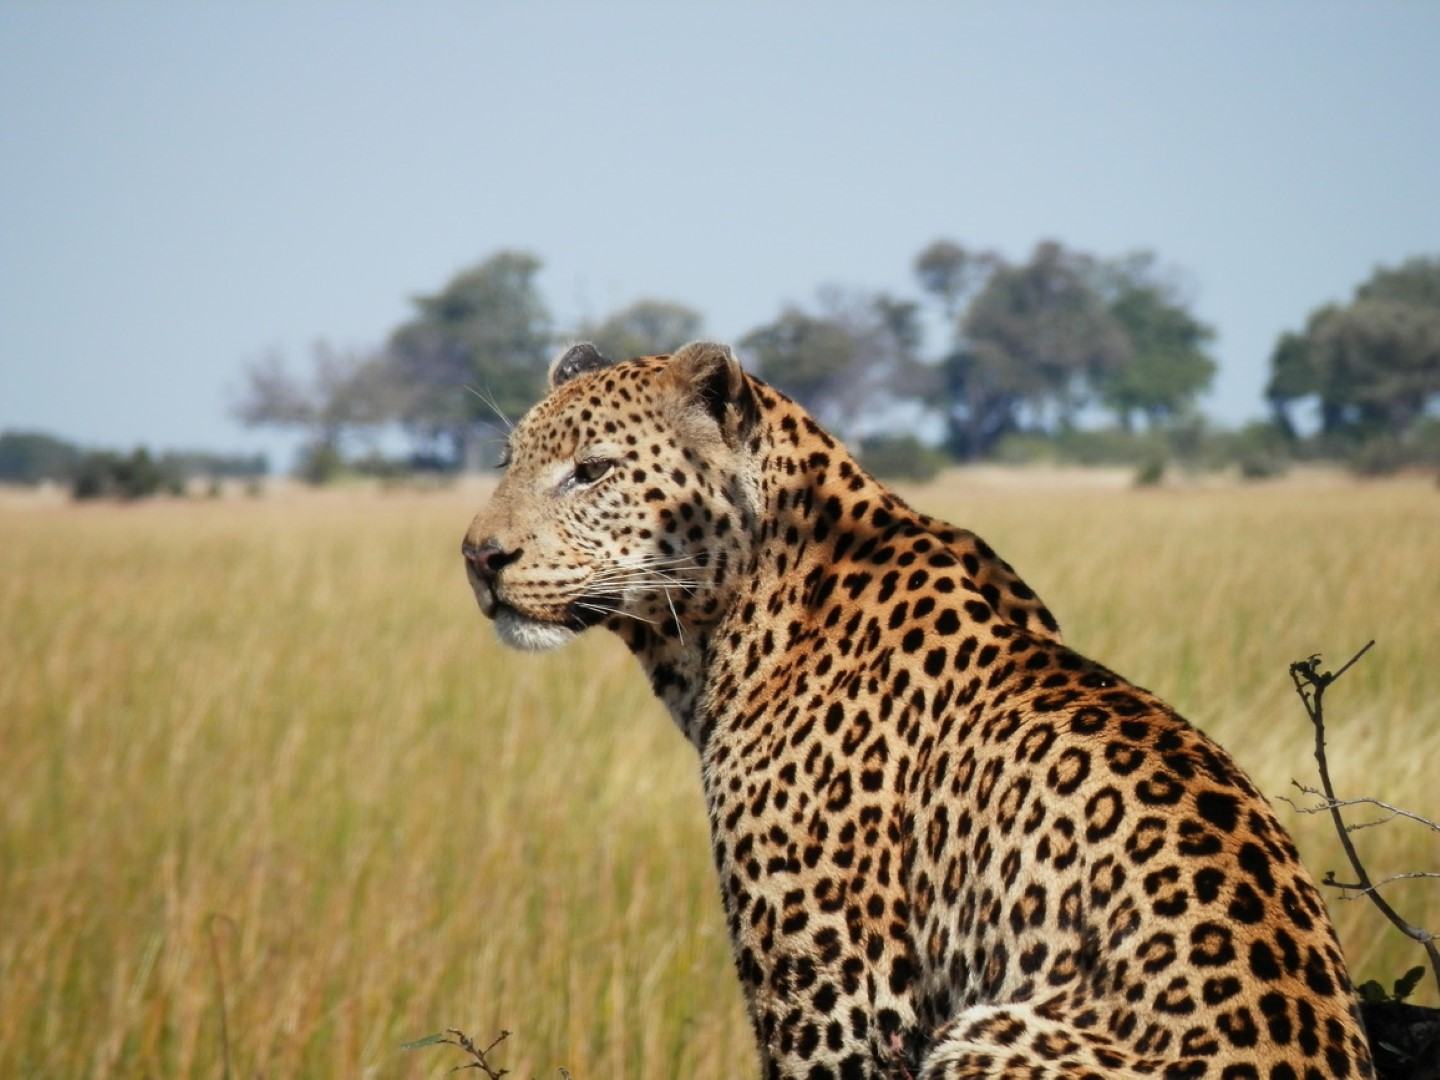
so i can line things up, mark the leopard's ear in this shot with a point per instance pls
(576, 360)
(709, 376)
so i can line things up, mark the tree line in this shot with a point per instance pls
(35, 457)
(1062, 354)
(1062, 351)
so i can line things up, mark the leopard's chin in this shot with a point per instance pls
(532, 635)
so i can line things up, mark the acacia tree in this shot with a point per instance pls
(344, 395)
(477, 347)
(1373, 364)
(1027, 338)
(1032, 342)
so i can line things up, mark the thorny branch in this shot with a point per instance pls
(1311, 684)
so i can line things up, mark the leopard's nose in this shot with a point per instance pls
(488, 558)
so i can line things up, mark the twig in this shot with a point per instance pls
(468, 1045)
(1311, 684)
(1356, 887)
(1330, 804)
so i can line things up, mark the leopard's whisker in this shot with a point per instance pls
(643, 578)
(679, 628)
(603, 609)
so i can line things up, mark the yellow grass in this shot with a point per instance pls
(271, 746)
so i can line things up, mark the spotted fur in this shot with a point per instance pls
(948, 845)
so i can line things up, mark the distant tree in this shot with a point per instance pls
(1379, 361)
(1415, 281)
(344, 395)
(1035, 336)
(1373, 364)
(30, 457)
(812, 358)
(901, 457)
(644, 328)
(950, 273)
(839, 360)
(477, 347)
(900, 320)
(1291, 378)
(1167, 366)
(138, 475)
(193, 463)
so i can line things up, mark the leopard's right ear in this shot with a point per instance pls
(708, 375)
(576, 360)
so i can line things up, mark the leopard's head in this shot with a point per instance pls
(628, 499)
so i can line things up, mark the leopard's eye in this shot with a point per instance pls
(592, 469)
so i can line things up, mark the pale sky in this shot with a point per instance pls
(185, 186)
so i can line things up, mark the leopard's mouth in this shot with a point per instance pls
(522, 630)
(592, 609)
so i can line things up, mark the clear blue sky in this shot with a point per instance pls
(183, 186)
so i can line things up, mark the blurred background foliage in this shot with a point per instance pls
(1062, 356)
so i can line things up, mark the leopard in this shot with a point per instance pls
(947, 845)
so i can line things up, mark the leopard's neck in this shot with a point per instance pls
(825, 531)
(812, 498)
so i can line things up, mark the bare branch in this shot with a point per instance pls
(1311, 684)
(464, 1042)
(1326, 805)
(1356, 887)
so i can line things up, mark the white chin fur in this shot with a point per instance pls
(519, 632)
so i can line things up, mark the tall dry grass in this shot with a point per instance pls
(267, 754)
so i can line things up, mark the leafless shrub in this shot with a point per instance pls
(1404, 1038)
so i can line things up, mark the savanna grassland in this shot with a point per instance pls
(270, 790)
